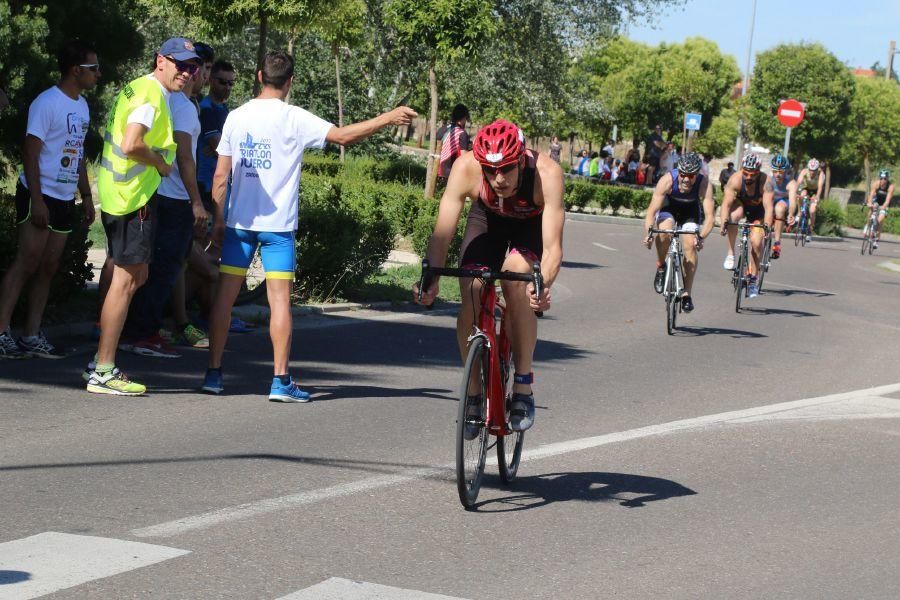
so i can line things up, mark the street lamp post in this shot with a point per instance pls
(892, 50)
(739, 143)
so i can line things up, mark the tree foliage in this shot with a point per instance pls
(872, 138)
(810, 74)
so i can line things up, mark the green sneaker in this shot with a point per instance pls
(194, 337)
(114, 382)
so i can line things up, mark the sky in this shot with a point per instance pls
(856, 31)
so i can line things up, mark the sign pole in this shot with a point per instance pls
(787, 141)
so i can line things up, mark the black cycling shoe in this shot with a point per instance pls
(521, 412)
(473, 412)
(687, 305)
(660, 280)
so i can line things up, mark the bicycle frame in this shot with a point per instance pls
(492, 327)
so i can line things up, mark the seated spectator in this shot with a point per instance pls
(594, 168)
(616, 170)
(582, 168)
(605, 169)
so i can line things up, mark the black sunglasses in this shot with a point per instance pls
(183, 66)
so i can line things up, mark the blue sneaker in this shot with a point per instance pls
(212, 383)
(287, 393)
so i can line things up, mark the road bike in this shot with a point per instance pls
(740, 276)
(870, 231)
(673, 288)
(488, 366)
(802, 225)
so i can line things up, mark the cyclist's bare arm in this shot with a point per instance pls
(887, 199)
(792, 199)
(553, 218)
(709, 208)
(663, 188)
(821, 185)
(768, 201)
(731, 190)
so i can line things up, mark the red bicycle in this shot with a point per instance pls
(489, 369)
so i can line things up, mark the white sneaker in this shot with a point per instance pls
(808, 239)
(729, 262)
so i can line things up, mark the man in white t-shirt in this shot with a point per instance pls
(53, 159)
(179, 217)
(261, 150)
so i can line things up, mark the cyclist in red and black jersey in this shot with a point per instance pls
(516, 219)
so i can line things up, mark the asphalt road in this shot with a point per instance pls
(750, 455)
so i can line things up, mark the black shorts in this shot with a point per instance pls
(489, 237)
(754, 213)
(130, 238)
(61, 212)
(681, 212)
(653, 161)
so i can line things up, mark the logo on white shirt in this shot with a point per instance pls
(256, 154)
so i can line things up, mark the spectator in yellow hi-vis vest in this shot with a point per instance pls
(138, 151)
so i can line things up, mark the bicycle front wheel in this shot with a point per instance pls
(865, 240)
(471, 431)
(764, 262)
(509, 446)
(741, 281)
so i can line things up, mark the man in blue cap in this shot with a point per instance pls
(138, 151)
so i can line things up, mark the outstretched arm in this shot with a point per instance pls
(356, 132)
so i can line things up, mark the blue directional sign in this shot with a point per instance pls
(692, 121)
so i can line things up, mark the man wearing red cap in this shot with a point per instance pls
(516, 219)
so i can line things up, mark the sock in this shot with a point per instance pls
(285, 379)
(105, 368)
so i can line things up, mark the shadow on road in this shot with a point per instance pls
(568, 264)
(9, 577)
(346, 392)
(704, 331)
(778, 311)
(788, 293)
(630, 491)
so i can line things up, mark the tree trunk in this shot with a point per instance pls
(431, 170)
(261, 47)
(571, 150)
(867, 167)
(337, 72)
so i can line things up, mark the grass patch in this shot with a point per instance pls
(395, 285)
(97, 234)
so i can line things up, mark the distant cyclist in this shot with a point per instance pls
(881, 194)
(676, 203)
(748, 187)
(784, 190)
(516, 219)
(810, 184)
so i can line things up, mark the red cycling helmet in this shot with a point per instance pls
(499, 144)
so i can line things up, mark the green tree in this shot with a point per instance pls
(874, 126)
(718, 139)
(810, 74)
(444, 30)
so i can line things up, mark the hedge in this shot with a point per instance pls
(583, 193)
(424, 226)
(857, 215)
(829, 218)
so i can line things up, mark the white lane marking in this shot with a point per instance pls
(48, 562)
(832, 406)
(344, 589)
(599, 245)
(800, 287)
(891, 266)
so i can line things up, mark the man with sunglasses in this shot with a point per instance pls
(516, 219)
(213, 112)
(53, 160)
(138, 151)
(784, 195)
(676, 203)
(755, 198)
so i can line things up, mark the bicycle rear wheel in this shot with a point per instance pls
(471, 453)
(764, 262)
(509, 446)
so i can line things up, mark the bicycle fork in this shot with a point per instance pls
(674, 283)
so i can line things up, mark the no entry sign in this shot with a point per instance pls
(790, 113)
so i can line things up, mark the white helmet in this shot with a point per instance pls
(813, 165)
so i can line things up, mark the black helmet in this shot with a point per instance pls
(689, 163)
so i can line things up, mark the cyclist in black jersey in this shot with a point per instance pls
(516, 219)
(747, 187)
(880, 195)
(682, 199)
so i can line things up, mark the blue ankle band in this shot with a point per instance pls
(524, 378)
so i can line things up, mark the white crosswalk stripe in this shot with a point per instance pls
(344, 589)
(48, 562)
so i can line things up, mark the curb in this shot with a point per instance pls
(637, 222)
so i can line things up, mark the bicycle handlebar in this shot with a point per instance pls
(674, 231)
(486, 275)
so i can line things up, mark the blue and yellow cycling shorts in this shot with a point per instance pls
(279, 258)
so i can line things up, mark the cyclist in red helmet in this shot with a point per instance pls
(516, 219)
